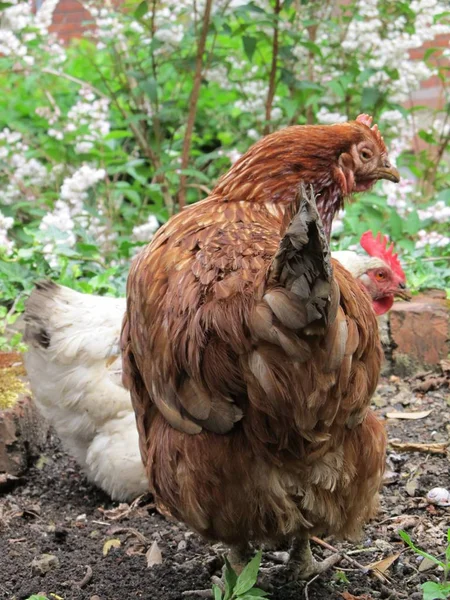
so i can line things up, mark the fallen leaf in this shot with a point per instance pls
(112, 543)
(408, 415)
(434, 448)
(445, 365)
(426, 565)
(153, 555)
(383, 565)
(404, 522)
(348, 596)
(430, 383)
(412, 485)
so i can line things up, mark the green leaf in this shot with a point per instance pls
(217, 592)
(426, 136)
(396, 224)
(254, 593)
(118, 134)
(249, 46)
(230, 580)
(405, 537)
(150, 88)
(370, 97)
(141, 10)
(435, 591)
(429, 52)
(247, 578)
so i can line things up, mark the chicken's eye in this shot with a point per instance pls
(366, 154)
(380, 276)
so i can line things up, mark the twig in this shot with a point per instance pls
(273, 68)
(349, 559)
(199, 186)
(308, 584)
(86, 579)
(193, 101)
(80, 584)
(75, 80)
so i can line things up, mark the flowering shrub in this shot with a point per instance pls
(102, 140)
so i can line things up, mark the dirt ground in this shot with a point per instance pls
(53, 510)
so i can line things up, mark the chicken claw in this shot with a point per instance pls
(301, 563)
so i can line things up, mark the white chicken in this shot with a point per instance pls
(75, 368)
(75, 372)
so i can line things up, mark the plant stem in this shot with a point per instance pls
(273, 68)
(193, 101)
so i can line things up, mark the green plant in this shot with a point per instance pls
(240, 587)
(102, 140)
(10, 340)
(34, 597)
(433, 590)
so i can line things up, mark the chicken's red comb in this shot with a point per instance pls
(379, 247)
(367, 120)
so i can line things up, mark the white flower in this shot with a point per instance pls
(438, 212)
(74, 189)
(328, 117)
(145, 232)
(233, 155)
(432, 238)
(5, 224)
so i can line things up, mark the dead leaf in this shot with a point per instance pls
(112, 543)
(348, 596)
(153, 555)
(434, 448)
(445, 366)
(430, 383)
(404, 522)
(383, 565)
(426, 564)
(409, 415)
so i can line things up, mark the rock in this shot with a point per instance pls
(22, 430)
(419, 332)
(40, 565)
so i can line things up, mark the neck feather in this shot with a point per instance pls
(272, 170)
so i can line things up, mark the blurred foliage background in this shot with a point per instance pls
(103, 139)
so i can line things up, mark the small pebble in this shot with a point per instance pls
(40, 565)
(182, 545)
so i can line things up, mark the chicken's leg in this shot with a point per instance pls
(301, 563)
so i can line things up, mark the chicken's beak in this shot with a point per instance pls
(387, 171)
(403, 293)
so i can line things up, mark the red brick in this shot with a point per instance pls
(420, 330)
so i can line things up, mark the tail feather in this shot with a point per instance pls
(68, 325)
(301, 271)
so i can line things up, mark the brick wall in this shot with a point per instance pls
(69, 19)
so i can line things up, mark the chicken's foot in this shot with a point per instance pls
(301, 563)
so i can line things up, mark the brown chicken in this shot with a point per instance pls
(251, 360)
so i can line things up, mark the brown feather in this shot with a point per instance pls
(251, 360)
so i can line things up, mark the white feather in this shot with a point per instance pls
(76, 382)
